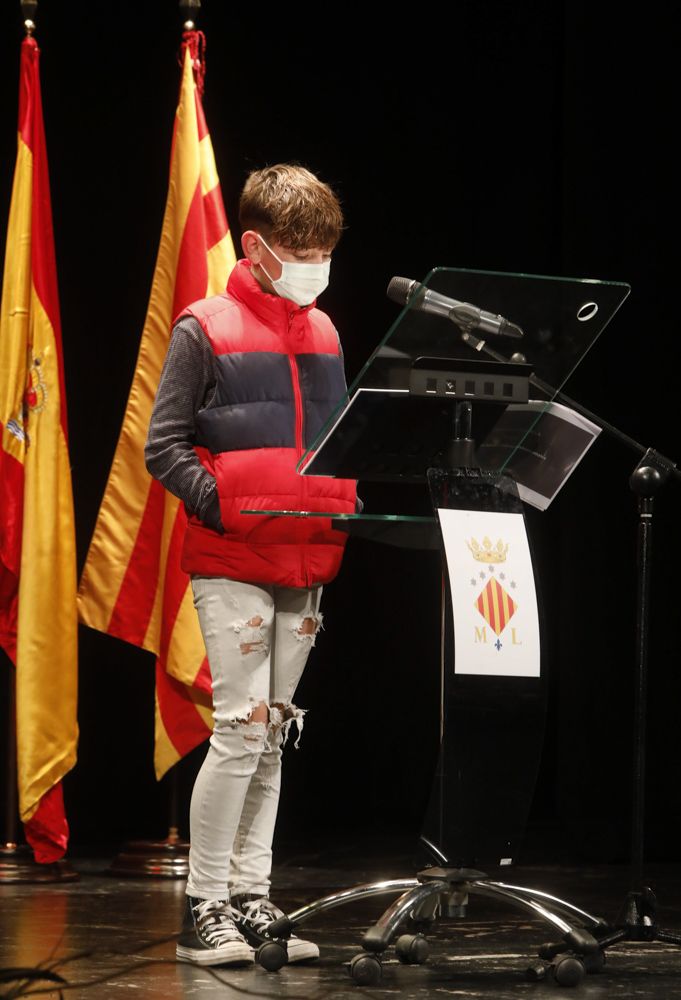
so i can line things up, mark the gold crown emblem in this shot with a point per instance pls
(486, 552)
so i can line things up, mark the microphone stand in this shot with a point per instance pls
(637, 920)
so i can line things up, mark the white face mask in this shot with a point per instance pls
(299, 282)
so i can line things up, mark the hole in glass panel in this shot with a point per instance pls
(587, 311)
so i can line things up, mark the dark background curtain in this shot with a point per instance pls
(529, 137)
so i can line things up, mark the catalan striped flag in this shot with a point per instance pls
(38, 618)
(132, 586)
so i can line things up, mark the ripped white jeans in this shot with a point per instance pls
(257, 639)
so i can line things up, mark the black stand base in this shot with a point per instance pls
(167, 858)
(637, 922)
(18, 865)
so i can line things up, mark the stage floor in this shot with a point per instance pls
(114, 937)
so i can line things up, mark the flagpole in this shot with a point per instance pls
(190, 9)
(28, 9)
(11, 824)
(167, 858)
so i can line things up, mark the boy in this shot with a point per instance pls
(250, 378)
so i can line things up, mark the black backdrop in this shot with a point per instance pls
(519, 137)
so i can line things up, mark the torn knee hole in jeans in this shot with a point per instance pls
(252, 629)
(282, 718)
(250, 722)
(254, 733)
(307, 627)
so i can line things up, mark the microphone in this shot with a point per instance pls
(407, 291)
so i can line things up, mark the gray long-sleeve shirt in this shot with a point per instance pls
(187, 385)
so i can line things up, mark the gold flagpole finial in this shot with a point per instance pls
(190, 10)
(28, 9)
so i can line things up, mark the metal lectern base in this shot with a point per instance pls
(437, 892)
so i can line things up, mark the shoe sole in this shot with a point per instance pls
(301, 951)
(238, 955)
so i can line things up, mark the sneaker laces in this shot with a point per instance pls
(215, 920)
(261, 912)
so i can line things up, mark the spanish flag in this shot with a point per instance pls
(38, 617)
(132, 586)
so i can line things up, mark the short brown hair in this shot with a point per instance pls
(288, 204)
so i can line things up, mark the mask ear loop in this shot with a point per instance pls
(265, 244)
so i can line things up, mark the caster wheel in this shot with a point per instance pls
(569, 971)
(536, 973)
(366, 970)
(412, 949)
(271, 956)
(594, 961)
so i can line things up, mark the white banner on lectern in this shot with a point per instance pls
(496, 628)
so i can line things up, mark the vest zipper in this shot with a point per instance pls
(297, 397)
(298, 404)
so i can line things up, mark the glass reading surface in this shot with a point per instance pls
(408, 531)
(412, 518)
(438, 351)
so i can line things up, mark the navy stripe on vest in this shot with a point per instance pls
(322, 381)
(253, 405)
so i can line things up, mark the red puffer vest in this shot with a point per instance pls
(279, 378)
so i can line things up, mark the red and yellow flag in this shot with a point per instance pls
(132, 585)
(38, 618)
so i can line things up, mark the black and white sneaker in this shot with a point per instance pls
(209, 934)
(256, 914)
